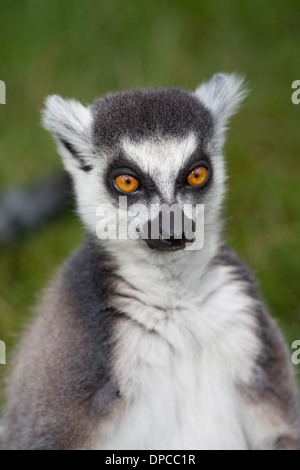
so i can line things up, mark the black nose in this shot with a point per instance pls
(166, 244)
(173, 234)
(166, 233)
(175, 242)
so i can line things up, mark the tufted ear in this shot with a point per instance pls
(222, 95)
(71, 124)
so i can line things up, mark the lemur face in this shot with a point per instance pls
(148, 150)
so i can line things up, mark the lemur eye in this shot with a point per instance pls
(126, 183)
(198, 176)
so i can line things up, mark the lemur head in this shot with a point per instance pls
(154, 147)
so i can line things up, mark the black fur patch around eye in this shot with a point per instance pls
(122, 165)
(198, 158)
(76, 155)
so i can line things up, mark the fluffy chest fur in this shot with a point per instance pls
(180, 354)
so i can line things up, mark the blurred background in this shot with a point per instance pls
(84, 49)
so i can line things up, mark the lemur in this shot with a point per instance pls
(146, 343)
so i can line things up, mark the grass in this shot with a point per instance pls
(85, 49)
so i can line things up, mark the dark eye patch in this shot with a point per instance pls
(121, 165)
(197, 159)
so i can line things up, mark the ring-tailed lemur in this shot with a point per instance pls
(144, 344)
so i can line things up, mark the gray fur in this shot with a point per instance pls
(240, 272)
(273, 375)
(149, 113)
(125, 344)
(63, 375)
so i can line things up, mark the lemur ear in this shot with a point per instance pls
(70, 122)
(222, 95)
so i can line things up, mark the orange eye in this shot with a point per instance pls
(198, 176)
(126, 183)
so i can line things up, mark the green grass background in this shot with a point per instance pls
(84, 49)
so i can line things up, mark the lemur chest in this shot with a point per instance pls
(177, 380)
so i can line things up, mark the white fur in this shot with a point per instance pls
(148, 155)
(161, 159)
(222, 95)
(152, 157)
(178, 367)
(69, 120)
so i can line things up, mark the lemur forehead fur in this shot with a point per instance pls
(148, 114)
(142, 343)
